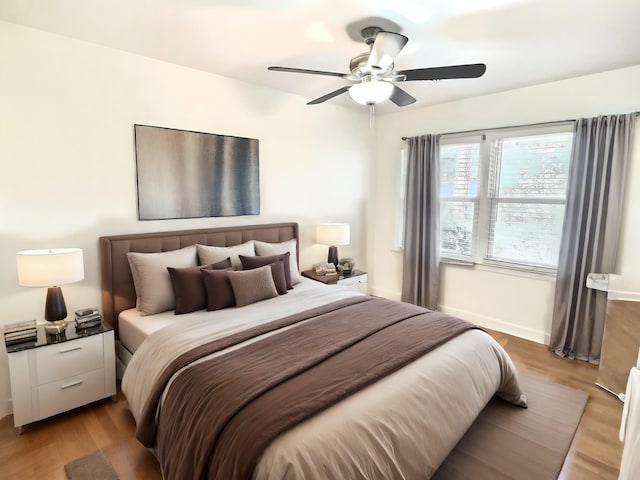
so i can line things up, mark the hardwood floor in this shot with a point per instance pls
(45, 447)
(596, 451)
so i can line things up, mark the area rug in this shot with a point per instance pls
(507, 442)
(94, 466)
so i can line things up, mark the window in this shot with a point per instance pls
(459, 198)
(503, 195)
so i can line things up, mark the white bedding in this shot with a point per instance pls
(401, 427)
(134, 328)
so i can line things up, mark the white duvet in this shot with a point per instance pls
(401, 427)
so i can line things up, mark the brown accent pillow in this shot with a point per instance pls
(218, 288)
(188, 286)
(250, 286)
(282, 280)
(277, 273)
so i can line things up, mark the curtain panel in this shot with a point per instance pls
(421, 262)
(590, 233)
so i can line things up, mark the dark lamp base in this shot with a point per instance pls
(333, 255)
(55, 308)
(55, 311)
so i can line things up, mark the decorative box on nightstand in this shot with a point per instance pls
(57, 373)
(357, 280)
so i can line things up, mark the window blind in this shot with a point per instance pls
(527, 196)
(459, 169)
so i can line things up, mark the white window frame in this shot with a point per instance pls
(401, 202)
(482, 214)
(457, 139)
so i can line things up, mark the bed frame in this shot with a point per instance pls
(118, 292)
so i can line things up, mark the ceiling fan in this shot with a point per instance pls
(373, 74)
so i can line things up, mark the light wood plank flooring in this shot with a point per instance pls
(44, 447)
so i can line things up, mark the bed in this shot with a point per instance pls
(316, 392)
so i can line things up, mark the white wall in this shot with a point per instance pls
(515, 303)
(628, 257)
(67, 110)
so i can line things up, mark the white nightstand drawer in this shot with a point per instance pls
(68, 393)
(353, 280)
(63, 360)
(356, 282)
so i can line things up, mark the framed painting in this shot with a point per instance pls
(186, 174)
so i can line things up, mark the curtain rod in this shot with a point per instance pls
(540, 124)
(480, 130)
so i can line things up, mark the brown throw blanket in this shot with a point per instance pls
(219, 415)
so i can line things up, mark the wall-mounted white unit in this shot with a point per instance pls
(621, 339)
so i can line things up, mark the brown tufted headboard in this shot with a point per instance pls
(118, 292)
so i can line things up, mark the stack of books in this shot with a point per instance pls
(330, 269)
(324, 269)
(20, 332)
(88, 318)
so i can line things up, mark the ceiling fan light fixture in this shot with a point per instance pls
(371, 93)
(373, 72)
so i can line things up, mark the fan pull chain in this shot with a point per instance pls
(371, 116)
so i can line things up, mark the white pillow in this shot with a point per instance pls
(151, 278)
(210, 254)
(264, 248)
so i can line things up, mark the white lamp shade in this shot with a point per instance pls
(333, 233)
(370, 93)
(47, 268)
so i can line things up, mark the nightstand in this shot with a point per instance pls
(357, 280)
(54, 374)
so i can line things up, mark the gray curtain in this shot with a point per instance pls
(590, 233)
(421, 265)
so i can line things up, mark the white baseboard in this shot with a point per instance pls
(379, 292)
(538, 336)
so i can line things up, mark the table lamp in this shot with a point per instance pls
(333, 234)
(51, 268)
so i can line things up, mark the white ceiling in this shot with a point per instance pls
(522, 42)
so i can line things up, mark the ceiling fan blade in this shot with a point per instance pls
(329, 96)
(304, 70)
(384, 50)
(474, 70)
(400, 97)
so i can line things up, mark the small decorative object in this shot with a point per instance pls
(330, 269)
(347, 265)
(319, 268)
(51, 268)
(324, 268)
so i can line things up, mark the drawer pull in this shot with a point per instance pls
(72, 384)
(70, 350)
